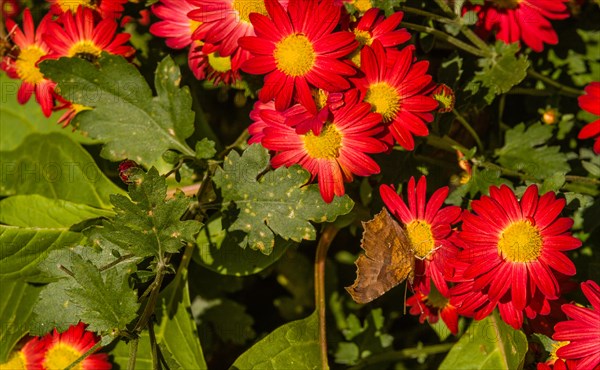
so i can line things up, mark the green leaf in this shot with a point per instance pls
(23, 248)
(16, 305)
(293, 345)
(274, 203)
(524, 151)
(488, 344)
(219, 251)
(230, 320)
(177, 329)
(126, 117)
(146, 224)
(18, 121)
(205, 149)
(56, 167)
(102, 299)
(479, 183)
(38, 211)
(500, 72)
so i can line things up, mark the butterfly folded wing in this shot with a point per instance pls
(387, 261)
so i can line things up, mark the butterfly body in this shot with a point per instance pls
(388, 259)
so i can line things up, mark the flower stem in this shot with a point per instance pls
(403, 354)
(444, 36)
(565, 90)
(237, 143)
(133, 347)
(433, 16)
(469, 128)
(322, 246)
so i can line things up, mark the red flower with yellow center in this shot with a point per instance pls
(431, 307)
(30, 357)
(175, 25)
(590, 102)
(106, 8)
(81, 37)
(581, 331)
(305, 120)
(374, 26)
(296, 49)
(224, 22)
(64, 348)
(25, 67)
(514, 247)
(526, 20)
(337, 153)
(399, 90)
(429, 229)
(10, 8)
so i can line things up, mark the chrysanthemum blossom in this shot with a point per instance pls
(398, 89)
(64, 348)
(263, 115)
(30, 357)
(338, 153)
(429, 229)
(10, 8)
(516, 248)
(81, 37)
(590, 102)
(431, 307)
(32, 49)
(301, 118)
(581, 331)
(375, 26)
(224, 22)
(175, 25)
(526, 20)
(106, 8)
(297, 49)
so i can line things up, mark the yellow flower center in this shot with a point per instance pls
(506, 4)
(194, 25)
(26, 64)
(85, 49)
(363, 37)
(555, 347)
(421, 237)
(326, 145)
(72, 5)
(245, 7)
(294, 55)
(520, 242)
(16, 361)
(219, 63)
(362, 5)
(436, 299)
(384, 100)
(60, 356)
(320, 97)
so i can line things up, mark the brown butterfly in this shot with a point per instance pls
(388, 259)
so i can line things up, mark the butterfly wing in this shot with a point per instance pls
(388, 259)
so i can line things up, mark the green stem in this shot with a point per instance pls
(582, 180)
(133, 347)
(445, 143)
(324, 242)
(529, 91)
(504, 171)
(237, 143)
(469, 128)
(85, 355)
(423, 13)
(154, 347)
(403, 354)
(565, 90)
(153, 297)
(445, 8)
(444, 36)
